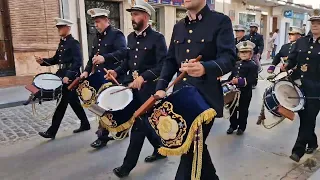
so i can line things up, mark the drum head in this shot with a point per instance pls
(280, 76)
(283, 90)
(47, 81)
(114, 102)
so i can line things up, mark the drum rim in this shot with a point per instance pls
(44, 88)
(301, 103)
(127, 103)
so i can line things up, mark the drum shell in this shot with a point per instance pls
(48, 94)
(270, 101)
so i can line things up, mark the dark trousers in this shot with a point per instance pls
(138, 133)
(240, 115)
(208, 172)
(308, 115)
(102, 133)
(68, 97)
(274, 49)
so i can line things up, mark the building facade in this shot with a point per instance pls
(28, 26)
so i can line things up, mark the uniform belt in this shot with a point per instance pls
(65, 66)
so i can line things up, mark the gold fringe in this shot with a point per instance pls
(122, 127)
(205, 117)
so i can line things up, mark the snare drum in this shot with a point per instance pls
(87, 90)
(50, 86)
(229, 93)
(119, 107)
(280, 93)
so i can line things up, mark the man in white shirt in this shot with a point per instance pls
(276, 42)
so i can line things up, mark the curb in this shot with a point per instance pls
(11, 104)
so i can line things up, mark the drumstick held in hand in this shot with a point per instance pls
(123, 89)
(179, 78)
(113, 79)
(94, 65)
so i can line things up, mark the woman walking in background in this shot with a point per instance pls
(270, 45)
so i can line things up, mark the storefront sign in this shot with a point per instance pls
(165, 1)
(177, 2)
(288, 14)
(253, 8)
(153, 1)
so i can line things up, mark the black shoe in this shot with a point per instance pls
(240, 132)
(311, 150)
(47, 135)
(82, 129)
(230, 130)
(120, 172)
(97, 144)
(154, 157)
(295, 157)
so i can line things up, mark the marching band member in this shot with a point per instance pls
(210, 34)
(240, 35)
(109, 42)
(146, 51)
(244, 75)
(305, 55)
(294, 34)
(68, 57)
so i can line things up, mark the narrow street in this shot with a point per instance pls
(260, 154)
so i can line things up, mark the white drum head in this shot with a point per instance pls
(280, 76)
(114, 102)
(47, 81)
(284, 90)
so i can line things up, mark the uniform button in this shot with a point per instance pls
(61, 50)
(60, 60)
(99, 39)
(61, 45)
(289, 51)
(202, 40)
(177, 41)
(184, 79)
(301, 76)
(59, 55)
(187, 60)
(289, 47)
(138, 42)
(137, 49)
(189, 41)
(309, 52)
(311, 47)
(135, 56)
(134, 63)
(190, 31)
(145, 48)
(307, 58)
(238, 67)
(98, 49)
(187, 50)
(98, 44)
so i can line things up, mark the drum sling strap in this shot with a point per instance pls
(234, 105)
(35, 114)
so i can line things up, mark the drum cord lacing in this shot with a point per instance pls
(35, 114)
(234, 104)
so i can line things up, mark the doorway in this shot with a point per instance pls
(274, 24)
(6, 52)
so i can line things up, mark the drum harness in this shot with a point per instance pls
(234, 105)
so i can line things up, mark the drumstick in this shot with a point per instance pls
(123, 89)
(179, 78)
(94, 65)
(113, 79)
(75, 82)
(43, 61)
(52, 79)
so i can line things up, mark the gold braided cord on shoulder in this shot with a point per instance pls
(205, 117)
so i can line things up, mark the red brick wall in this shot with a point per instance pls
(32, 24)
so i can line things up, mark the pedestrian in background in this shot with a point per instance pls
(276, 42)
(270, 45)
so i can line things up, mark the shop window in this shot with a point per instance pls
(180, 14)
(246, 19)
(64, 9)
(297, 22)
(156, 20)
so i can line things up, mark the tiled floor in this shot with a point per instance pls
(10, 81)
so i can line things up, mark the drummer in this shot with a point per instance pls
(244, 75)
(108, 42)
(294, 34)
(146, 51)
(240, 35)
(69, 59)
(305, 55)
(210, 34)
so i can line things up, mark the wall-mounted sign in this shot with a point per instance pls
(253, 8)
(177, 2)
(153, 1)
(165, 1)
(288, 14)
